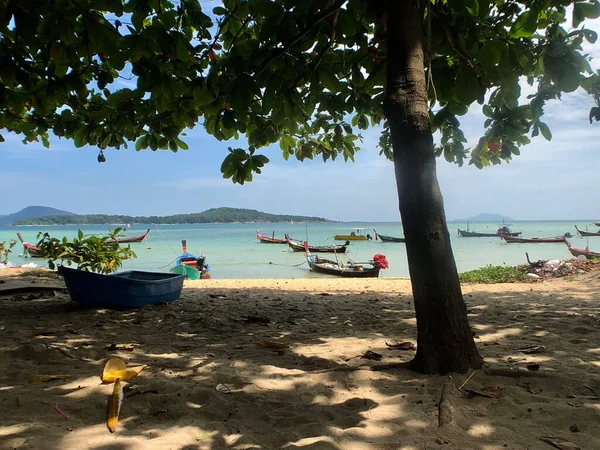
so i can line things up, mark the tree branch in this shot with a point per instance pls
(318, 19)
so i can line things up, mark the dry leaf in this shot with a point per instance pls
(532, 349)
(489, 392)
(223, 389)
(271, 344)
(126, 347)
(113, 365)
(114, 407)
(124, 375)
(372, 355)
(44, 378)
(558, 442)
(396, 345)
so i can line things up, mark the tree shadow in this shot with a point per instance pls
(295, 396)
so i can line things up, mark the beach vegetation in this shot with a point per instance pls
(214, 215)
(310, 76)
(6, 249)
(497, 274)
(91, 253)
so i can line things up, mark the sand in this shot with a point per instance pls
(210, 385)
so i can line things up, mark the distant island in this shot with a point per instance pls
(485, 217)
(32, 212)
(214, 215)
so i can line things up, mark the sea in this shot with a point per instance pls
(233, 251)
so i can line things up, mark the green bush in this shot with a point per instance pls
(90, 253)
(496, 274)
(6, 249)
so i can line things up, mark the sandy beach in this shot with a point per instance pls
(209, 383)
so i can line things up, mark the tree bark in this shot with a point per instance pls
(444, 341)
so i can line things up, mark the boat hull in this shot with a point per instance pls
(385, 238)
(465, 233)
(586, 233)
(269, 240)
(518, 240)
(580, 252)
(332, 268)
(349, 237)
(124, 290)
(132, 239)
(298, 246)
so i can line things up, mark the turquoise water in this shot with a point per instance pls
(232, 250)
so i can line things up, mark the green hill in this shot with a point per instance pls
(215, 215)
(32, 212)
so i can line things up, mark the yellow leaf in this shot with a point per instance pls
(113, 365)
(114, 407)
(44, 378)
(271, 344)
(124, 375)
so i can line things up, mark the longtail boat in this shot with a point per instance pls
(138, 238)
(357, 234)
(586, 233)
(29, 249)
(384, 238)
(298, 246)
(350, 269)
(597, 224)
(193, 266)
(502, 231)
(520, 240)
(270, 240)
(580, 252)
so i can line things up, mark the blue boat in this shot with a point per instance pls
(123, 290)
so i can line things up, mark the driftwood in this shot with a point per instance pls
(535, 264)
(445, 406)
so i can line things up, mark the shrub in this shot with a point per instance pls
(496, 274)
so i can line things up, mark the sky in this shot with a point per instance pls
(556, 180)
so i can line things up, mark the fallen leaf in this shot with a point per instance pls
(489, 392)
(45, 378)
(126, 347)
(372, 355)
(124, 375)
(558, 442)
(113, 365)
(205, 435)
(272, 344)
(397, 345)
(532, 349)
(223, 389)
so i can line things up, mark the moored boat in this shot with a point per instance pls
(298, 246)
(520, 240)
(586, 233)
(193, 266)
(502, 231)
(123, 290)
(138, 238)
(597, 224)
(580, 252)
(29, 249)
(269, 240)
(384, 238)
(350, 269)
(357, 234)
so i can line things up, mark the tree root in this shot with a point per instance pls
(372, 368)
(514, 373)
(445, 407)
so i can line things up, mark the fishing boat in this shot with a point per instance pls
(193, 266)
(270, 240)
(520, 240)
(138, 238)
(586, 233)
(123, 290)
(298, 246)
(580, 252)
(357, 234)
(384, 238)
(29, 249)
(350, 269)
(502, 231)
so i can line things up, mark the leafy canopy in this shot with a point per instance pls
(308, 74)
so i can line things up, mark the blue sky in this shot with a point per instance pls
(550, 180)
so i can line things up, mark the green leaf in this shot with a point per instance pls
(2, 138)
(545, 130)
(241, 92)
(142, 143)
(590, 10)
(182, 51)
(329, 80)
(467, 87)
(219, 11)
(182, 145)
(525, 25)
(591, 36)
(491, 53)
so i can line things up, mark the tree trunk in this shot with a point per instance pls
(445, 341)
